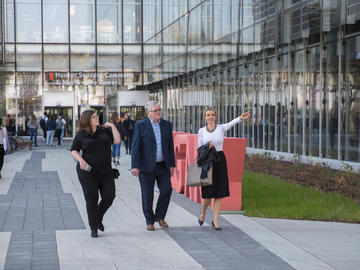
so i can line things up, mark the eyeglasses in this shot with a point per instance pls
(157, 110)
(94, 116)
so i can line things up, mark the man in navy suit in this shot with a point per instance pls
(153, 158)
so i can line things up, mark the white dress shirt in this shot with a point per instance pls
(217, 136)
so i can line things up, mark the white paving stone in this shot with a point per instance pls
(4, 245)
(293, 254)
(338, 244)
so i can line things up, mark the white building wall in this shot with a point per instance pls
(136, 98)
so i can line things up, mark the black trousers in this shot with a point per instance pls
(58, 135)
(2, 154)
(91, 184)
(44, 131)
(161, 175)
(128, 143)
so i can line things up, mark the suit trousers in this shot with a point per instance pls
(91, 185)
(161, 175)
(2, 154)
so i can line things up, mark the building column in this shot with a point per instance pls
(164, 100)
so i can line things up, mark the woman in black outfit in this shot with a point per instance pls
(95, 142)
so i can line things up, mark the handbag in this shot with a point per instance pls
(115, 172)
(193, 177)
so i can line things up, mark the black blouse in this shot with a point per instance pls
(96, 148)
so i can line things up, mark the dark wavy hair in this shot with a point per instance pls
(84, 123)
(114, 118)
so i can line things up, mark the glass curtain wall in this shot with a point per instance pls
(292, 65)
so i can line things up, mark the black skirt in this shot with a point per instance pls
(220, 186)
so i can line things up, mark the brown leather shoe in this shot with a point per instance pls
(150, 227)
(162, 223)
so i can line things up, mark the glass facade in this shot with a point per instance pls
(294, 64)
(291, 63)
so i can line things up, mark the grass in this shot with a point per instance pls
(271, 197)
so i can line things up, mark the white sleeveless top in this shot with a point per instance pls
(217, 136)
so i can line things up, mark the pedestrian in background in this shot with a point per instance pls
(212, 135)
(94, 166)
(62, 129)
(4, 144)
(120, 127)
(129, 126)
(33, 125)
(58, 129)
(50, 127)
(43, 121)
(153, 159)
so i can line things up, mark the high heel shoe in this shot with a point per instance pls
(101, 226)
(200, 222)
(215, 228)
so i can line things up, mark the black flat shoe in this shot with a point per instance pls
(215, 228)
(101, 226)
(94, 234)
(201, 222)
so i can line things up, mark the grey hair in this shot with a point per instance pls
(150, 104)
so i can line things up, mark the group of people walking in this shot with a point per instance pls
(52, 126)
(152, 160)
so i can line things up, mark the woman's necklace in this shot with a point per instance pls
(210, 130)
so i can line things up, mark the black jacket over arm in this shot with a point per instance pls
(205, 159)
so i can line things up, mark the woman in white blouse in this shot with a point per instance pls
(213, 134)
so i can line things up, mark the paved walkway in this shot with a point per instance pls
(43, 225)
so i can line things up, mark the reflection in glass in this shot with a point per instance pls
(351, 117)
(28, 21)
(313, 101)
(132, 58)
(56, 57)
(28, 57)
(108, 23)
(82, 18)
(109, 58)
(55, 21)
(82, 58)
(10, 33)
(330, 106)
(132, 21)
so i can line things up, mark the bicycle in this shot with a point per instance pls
(13, 145)
(23, 143)
(18, 143)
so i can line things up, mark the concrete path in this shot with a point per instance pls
(44, 226)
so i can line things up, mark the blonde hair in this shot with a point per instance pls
(209, 109)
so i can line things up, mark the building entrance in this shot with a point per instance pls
(100, 110)
(67, 113)
(137, 112)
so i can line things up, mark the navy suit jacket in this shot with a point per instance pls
(143, 147)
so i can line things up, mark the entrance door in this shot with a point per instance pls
(100, 110)
(67, 114)
(137, 112)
